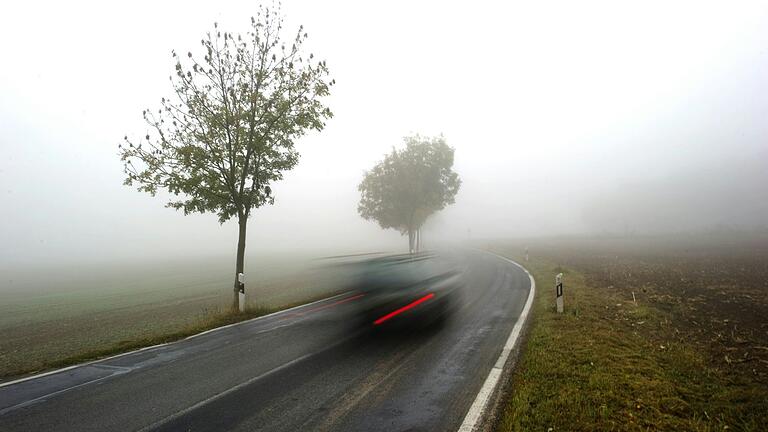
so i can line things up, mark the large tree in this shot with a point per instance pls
(228, 130)
(409, 185)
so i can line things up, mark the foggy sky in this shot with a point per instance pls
(567, 118)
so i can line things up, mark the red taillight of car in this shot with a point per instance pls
(403, 309)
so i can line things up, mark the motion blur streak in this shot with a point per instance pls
(403, 309)
(348, 299)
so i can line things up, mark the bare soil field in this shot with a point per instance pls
(660, 333)
(714, 290)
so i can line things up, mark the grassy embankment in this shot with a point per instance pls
(68, 317)
(610, 363)
(212, 319)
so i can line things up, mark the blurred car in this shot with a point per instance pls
(407, 290)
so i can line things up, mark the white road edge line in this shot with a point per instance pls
(55, 371)
(49, 395)
(230, 390)
(480, 405)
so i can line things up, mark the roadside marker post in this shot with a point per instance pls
(559, 292)
(241, 294)
(526, 254)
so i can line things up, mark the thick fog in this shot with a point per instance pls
(567, 118)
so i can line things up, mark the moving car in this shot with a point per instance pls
(407, 290)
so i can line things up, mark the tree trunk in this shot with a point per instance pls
(418, 239)
(239, 264)
(411, 238)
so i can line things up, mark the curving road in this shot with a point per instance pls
(302, 369)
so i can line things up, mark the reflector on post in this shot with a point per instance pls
(241, 294)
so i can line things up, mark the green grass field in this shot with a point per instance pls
(65, 315)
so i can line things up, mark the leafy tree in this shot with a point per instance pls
(228, 131)
(409, 185)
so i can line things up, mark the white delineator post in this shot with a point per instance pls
(526, 254)
(559, 292)
(241, 294)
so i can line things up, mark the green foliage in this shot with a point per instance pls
(409, 185)
(228, 132)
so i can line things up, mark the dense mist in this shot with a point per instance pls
(584, 119)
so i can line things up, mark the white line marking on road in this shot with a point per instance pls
(479, 406)
(56, 393)
(230, 390)
(55, 371)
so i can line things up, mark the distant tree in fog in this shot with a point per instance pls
(409, 185)
(228, 131)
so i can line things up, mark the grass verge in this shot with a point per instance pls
(213, 319)
(608, 363)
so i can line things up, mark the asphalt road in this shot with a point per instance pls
(303, 369)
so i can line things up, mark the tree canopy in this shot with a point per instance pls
(409, 185)
(228, 130)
